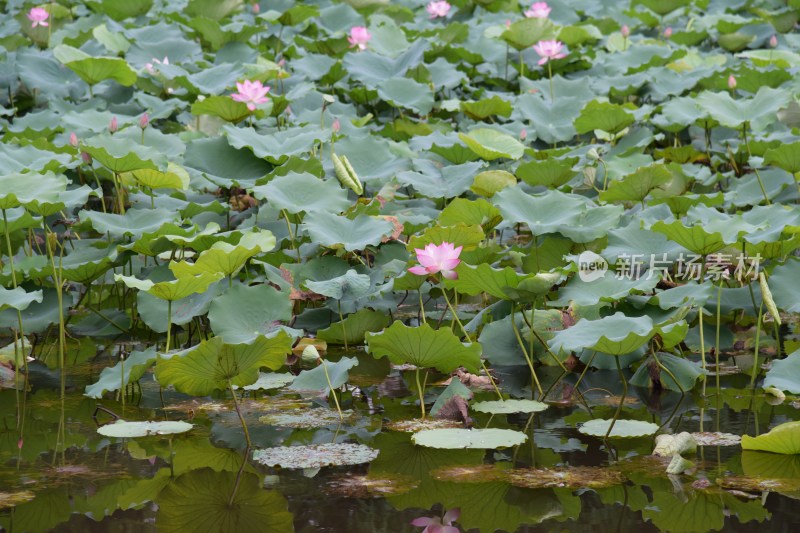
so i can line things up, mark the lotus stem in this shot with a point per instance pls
(421, 395)
(525, 351)
(754, 370)
(239, 412)
(422, 308)
(540, 339)
(344, 330)
(14, 283)
(291, 234)
(667, 370)
(330, 386)
(169, 324)
(621, 400)
(550, 75)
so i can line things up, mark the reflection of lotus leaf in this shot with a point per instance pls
(315, 456)
(309, 418)
(352, 486)
(570, 477)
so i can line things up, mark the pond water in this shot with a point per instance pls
(206, 480)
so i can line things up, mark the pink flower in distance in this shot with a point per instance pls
(538, 10)
(625, 31)
(439, 525)
(38, 17)
(251, 93)
(114, 125)
(144, 120)
(668, 32)
(549, 50)
(731, 82)
(773, 41)
(151, 69)
(336, 126)
(438, 9)
(433, 259)
(359, 36)
(73, 140)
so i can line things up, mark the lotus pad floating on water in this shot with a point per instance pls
(309, 418)
(123, 429)
(509, 406)
(784, 438)
(570, 477)
(622, 428)
(469, 438)
(315, 456)
(417, 424)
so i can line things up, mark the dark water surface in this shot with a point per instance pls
(186, 483)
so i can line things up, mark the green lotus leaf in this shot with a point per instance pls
(18, 218)
(615, 335)
(20, 189)
(686, 373)
(694, 238)
(93, 70)
(123, 373)
(491, 144)
(783, 375)
(664, 7)
(171, 290)
(354, 327)
(424, 347)
(491, 181)
(604, 116)
(123, 429)
(622, 428)
(119, 155)
(304, 192)
(224, 501)
(407, 93)
(783, 438)
(470, 212)
(115, 43)
(486, 107)
(543, 213)
(316, 379)
(153, 310)
(213, 9)
(759, 111)
(84, 264)
(18, 298)
(226, 258)
(174, 178)
(497, 407)
(529, 31)
(637, 186)
(474, 280)
(455, 388)
(315, 456)
(278, 146)
(213, 33)
(223, 107)
(454, 439)
(216, 160)
(244, 312)
(434, 181)
(65, 201)
(213, 364)
(349, 285)
(134, 223)
(329, 229)
(460, 235)
(121, 9)
(550, 173)
(785, 156)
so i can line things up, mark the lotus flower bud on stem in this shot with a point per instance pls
(731, 82)
(144, 120)
(625, 31)
(73, 140)
(114, 125)
(668, 33)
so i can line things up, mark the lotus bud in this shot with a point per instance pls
(593, 154)
(731, 82)
(52, 244)
(668, 33)
(625, 31)
(256, 8)
(114, 125)
(86, 158)
(523, 134)
(19, 444)
(310, 354)
(336, 126)
(73, 140)
(773, 41)
(144, 120)
(508, 23)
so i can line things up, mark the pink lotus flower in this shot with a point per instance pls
(252, 93)
(523, 134)
(731, 82)
(433, 259)
(359, 36)
(538, 10)
(439, 525)
(38, 17)
(144, 120)
(114, 125)
(73, 140)
(336, 126)
(668, 32)
(625, 31)
(438, 9)
(773, 41)
(549, 50)
(256, 8)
